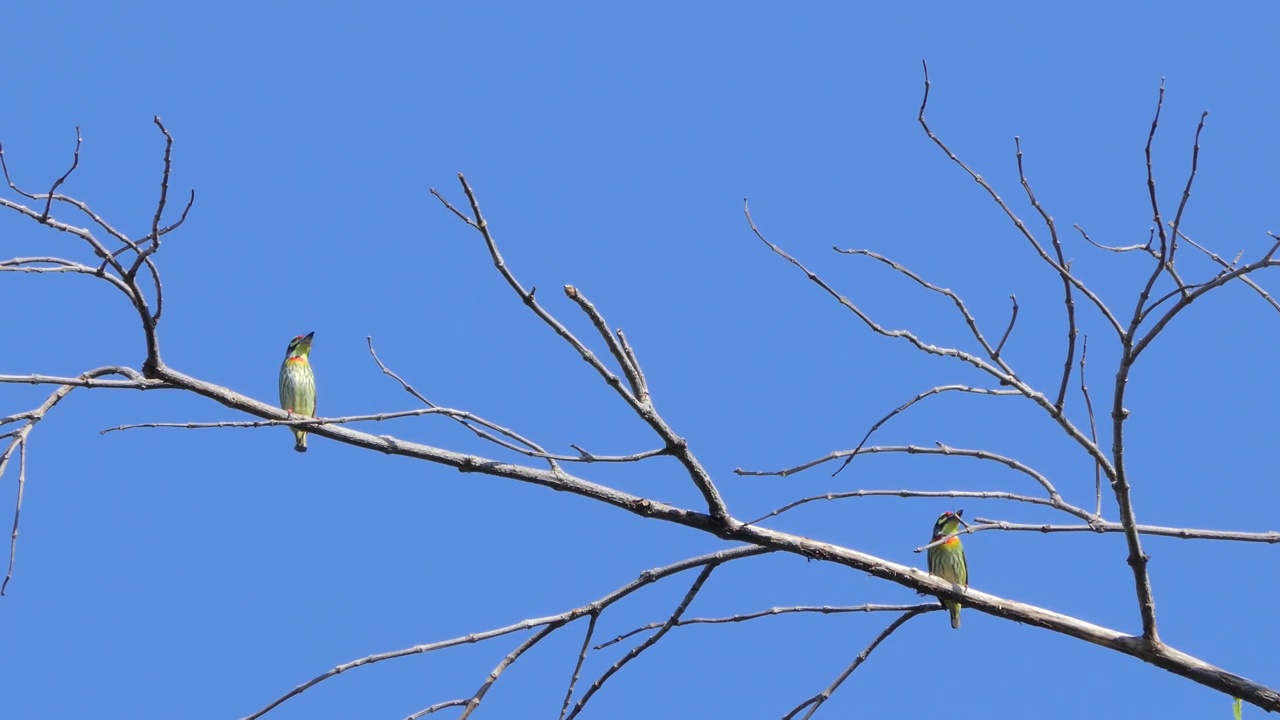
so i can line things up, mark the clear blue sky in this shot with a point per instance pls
(201, 573)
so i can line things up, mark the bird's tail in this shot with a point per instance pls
(953, 608)
(301, 446)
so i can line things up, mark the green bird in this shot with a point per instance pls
(947, 560)
(298, 385)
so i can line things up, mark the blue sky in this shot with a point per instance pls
(202, 573)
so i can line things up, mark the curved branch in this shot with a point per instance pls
(1061, 269)
(978, 494)
(927, 393)
(1072, 331)
(938, 449)
(61, 265)
(1115, 248)
(949, 294)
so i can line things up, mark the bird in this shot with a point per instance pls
(298, 385)
(947, 559)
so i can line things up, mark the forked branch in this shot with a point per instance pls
(637, 397)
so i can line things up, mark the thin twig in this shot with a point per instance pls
(677, 446)
(1013, 318)
(1000, 375)
(511, 657)
(1155, 210)
(1093, 427)
(1228, 266)
(293, 421)
(642, 393)
(530, 448)
(648, 642)
(75, 163)
(577, 666)
(816, 701)
(927, 393)
(17, 508)
(438, 707)
(593, 608)
(1115, 249)
(1013, 217)
(1237, 272)
(154, 237)
(18, 441)
(978, 494)
(1186, 191)
(462, 416)
(1269, 537)
(937, 449)
(623, 359)
(969, 320)
(772, 612)
(1066, 280)
(135, 381)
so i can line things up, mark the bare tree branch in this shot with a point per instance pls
(1003, 378)
(773, 612)
(960, 306)
(1226, 265)
(590, 609)
(630, 384)
(1163, 255)
(979, 494)
(577, 666)
(1066, 280)
(938, 449)
(90, 380)
(1017, 221)
(17, 507)
(1115, 249)
(1237, 272)
(816, 701)
(676, 445)
(648, 642)
(123, 279)
(1269, 537)
(1013, 318)
(18, 440)
(459, 702)
(1093, 428)
(927, 393)
(474, 701)
(1186, 191)
(624, 360)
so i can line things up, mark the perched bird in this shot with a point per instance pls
(298, 385)
(947, 560)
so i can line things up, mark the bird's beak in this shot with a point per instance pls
(307, 339)
(959, 513)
